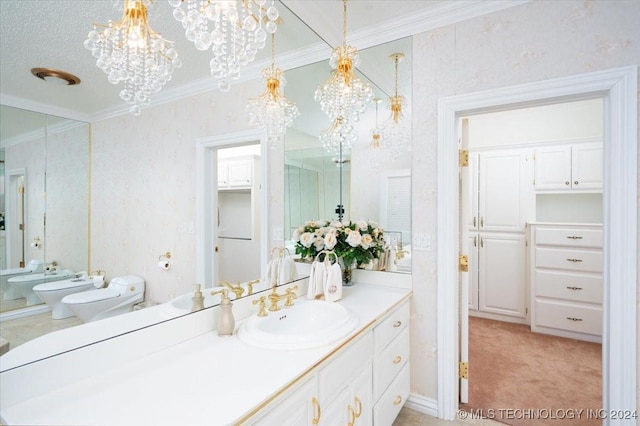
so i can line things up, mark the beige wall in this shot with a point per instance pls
(531, 42)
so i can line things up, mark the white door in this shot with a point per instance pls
(473, 271)
(502, 274)
(467, 177)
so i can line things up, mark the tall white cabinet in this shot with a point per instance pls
(501, 202)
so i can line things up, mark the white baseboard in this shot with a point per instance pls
(423, 405)
(24, 312)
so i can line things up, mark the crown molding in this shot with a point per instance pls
(43, 108)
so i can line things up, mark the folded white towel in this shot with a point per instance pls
(317, 278)
(333, 283)
(287, 270)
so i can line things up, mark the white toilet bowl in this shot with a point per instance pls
(24, 284)
(8, 291)
(117, 298)
(52, 293)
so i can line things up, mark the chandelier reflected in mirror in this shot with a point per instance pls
(377, 151)
(343, 97)
(272, 111)
(395, 129)
(234, 30)
(129, 51)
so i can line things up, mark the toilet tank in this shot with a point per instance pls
(127, 284)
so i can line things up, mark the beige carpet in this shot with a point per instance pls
(524, 376)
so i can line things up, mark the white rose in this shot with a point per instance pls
(318, 232)
(296, 235)
(366, 242)
(319, 243)
(306, 239)
(354, 238)
(330, 240)
(362, 224)
(336, 224)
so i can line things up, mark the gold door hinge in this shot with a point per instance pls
(463, 263)
(463, 155)
(21, 190)
(21, 227)
(463, 370)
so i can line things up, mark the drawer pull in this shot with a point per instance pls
(318, 412)
(358, 407)
(574, 288)
(397, 359)
(352, 415)
(574, 260)
(397, 324)
(398, 400)
(574, 319)
(574, 237)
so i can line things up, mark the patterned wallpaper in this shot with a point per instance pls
(526, 43)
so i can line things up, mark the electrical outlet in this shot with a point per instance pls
(421, 241)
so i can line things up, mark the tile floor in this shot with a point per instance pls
(21, 330)
(409, 417)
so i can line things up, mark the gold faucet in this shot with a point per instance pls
(288, 295)
(262, 312)
(250, 285)
(238, 290)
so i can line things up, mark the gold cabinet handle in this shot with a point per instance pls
(574, 237)
(574, 288)
(574, 260)
(474, 221)
(574, 319)
(398, 400)
(318, 411)
(482, 222)
(358, 407)
(352, 415)
(397, 359)
(397, 324)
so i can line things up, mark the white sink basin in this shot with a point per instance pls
(307, 324)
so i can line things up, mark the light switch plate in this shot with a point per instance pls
(421, 241)
(277, 234)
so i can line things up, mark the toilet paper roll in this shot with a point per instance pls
(164, 264)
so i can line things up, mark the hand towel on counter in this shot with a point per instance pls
(287, 270)
(317, 278)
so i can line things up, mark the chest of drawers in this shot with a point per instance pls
(566, 280)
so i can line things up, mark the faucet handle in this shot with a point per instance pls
(290, 296)
(250, 285)
(261, 301)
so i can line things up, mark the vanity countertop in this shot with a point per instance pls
(208, 379)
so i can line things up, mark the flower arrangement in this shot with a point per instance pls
(356, 243)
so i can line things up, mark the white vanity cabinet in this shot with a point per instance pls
(237, 172)
(573, 167)
(566, 280)
(364, 383)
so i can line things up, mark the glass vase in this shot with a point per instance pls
(347, 273)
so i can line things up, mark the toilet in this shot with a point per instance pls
(117, 298)
(52, 293)
(24, 284)
(8, 291)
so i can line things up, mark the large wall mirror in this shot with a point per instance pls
(45, 197)
(377, 189)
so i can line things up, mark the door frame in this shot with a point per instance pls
(206, 176)
(618, 88)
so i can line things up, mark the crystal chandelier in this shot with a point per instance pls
(129, 51)
(271, 111)
(395, 129)
(344, 96)
(234, 30)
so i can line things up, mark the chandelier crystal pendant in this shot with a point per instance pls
(234, 30)
(129, 51)
(344, 96)
(272, 111)
(377, 150)
(395, 129)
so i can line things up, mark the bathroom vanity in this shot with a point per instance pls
(196, 377)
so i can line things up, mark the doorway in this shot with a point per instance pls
(506, 200)
(618, 87)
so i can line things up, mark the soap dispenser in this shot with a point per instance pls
(198, 299)
(226, 322)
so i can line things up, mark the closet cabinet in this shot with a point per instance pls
(237, 172)
(574, 167)
(365, 383)
(501, 201)
(566, 280)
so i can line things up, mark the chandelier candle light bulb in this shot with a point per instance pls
(129, 51)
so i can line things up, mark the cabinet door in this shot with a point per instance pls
(469, 187)
(336, 412)
(586, 166)
(553, 168)
(300, 407)
(502, 281)
(361, 397)
(240, 173)
(223, 173)
(502, 190)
